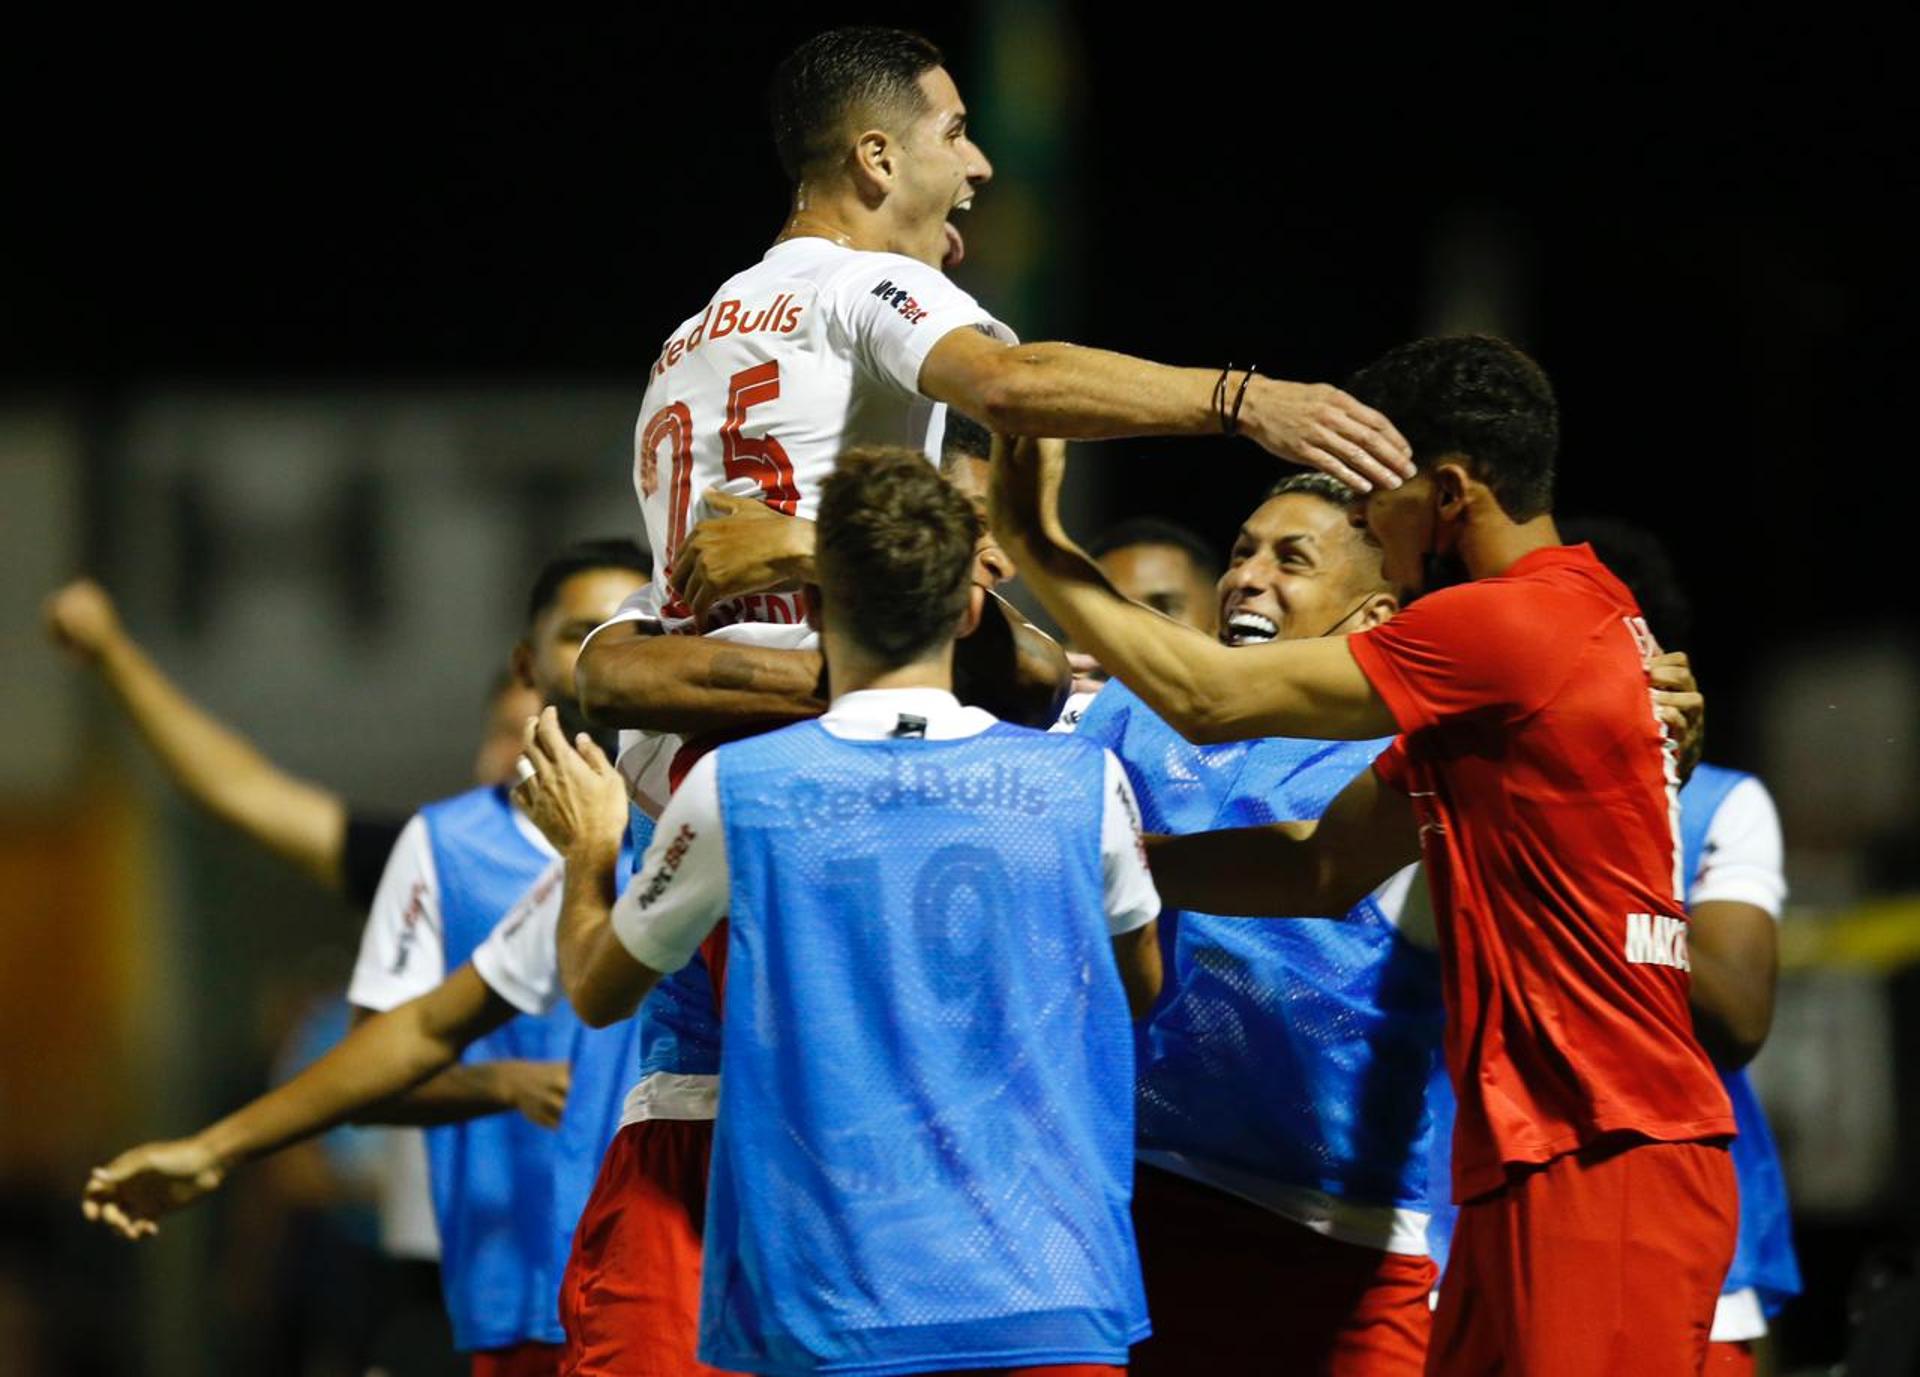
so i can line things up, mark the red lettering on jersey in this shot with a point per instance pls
(792, 321)
(761, 458)
(674, 351)
(725, 318)
(699, 331)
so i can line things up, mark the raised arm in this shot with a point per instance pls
(1089, 394)
(379, 1059)
(1207, 691)
(1292, 869)
(211, 763)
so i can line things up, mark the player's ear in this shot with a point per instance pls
(520, 664)
(1452, 485)
(1376, 609)
(875, 161)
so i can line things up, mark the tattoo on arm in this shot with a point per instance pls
(730, 670)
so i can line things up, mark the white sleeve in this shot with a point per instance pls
(682, 889)
(1132, 901)
(1070, 715)
(402, 952)
(520, 960)
(641, 605)
(1741, 860)
(893, 310)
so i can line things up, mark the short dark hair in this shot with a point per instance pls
(1480, 398)
(819, 85)
(894, 551)
(578, 558)
(966, 438)
(1321, 485)
(1639, 560)
(1152, 530)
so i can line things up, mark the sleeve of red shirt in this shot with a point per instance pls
(1479, 648)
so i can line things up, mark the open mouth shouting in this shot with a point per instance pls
(1249, 628)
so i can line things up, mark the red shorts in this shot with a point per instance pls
(522, 1360)
(630, 1300)
(1731, 1359)
(1605, 1261)
(1235, 1288)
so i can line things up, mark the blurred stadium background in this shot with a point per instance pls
(317, 332)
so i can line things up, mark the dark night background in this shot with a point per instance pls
(1702, 222)
(1710, 218)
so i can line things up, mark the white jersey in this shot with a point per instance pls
(812, 350)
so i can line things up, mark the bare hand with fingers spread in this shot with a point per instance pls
(574, 795)
(747, 547)
(1324, 428)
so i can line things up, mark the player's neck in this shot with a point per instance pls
(848, 671)
(1489, 549)
(843, 220)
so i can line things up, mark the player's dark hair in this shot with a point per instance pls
(1639, 560)
(578, 558)
(1152, 530)
(1321, 485)
(834, 75)
(1477, 397)
(894, 551)
(966, 438)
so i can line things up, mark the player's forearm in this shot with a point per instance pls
(383, 1057)
(222, 772)
(602, 982)
(1085, 394)
(461, 1092)
(1185, 676)
(1276, 871)
(692, 684)
(1733, 950)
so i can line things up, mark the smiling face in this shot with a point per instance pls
(1165, 578)
(1300, 569)
(936, 170)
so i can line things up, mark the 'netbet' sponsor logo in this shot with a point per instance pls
(996, 788)
(898, 298)
(1653, 939)
(669, 867)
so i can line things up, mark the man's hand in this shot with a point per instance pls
(575, 797)
(1680, 706)
(131, 1192)
(538, 1089)
(1023, 499)
(747, 548)
(1323, 428)
(81, 619)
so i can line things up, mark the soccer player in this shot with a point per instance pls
(848, 332)
(1165, 566)
(1283, 1134)
(923, 1151)
(460, 866)
(1736, 886)
(1532, 770)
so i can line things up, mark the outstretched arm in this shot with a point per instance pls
(1090, 394)
(211, 763)
(381, 1058)
(1293, 869)
(1207, 691)
(472, 1090)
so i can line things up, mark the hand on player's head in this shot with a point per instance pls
(571, 791)
(131, 1192)
(81, 618)
(1324, 428)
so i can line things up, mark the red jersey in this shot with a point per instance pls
(1549, 811)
